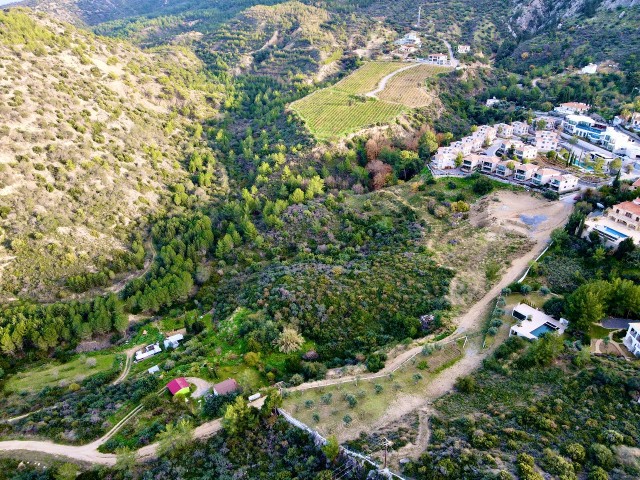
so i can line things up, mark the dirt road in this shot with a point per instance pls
(127, 365)
(202, 386)
(383, 83)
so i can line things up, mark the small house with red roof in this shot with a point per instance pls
(178, 386)
(225, 387)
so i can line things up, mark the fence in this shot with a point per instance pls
(319, 440)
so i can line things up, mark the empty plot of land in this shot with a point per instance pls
(407, 87)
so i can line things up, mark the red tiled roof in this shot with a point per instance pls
(227, 386)
(576, 105)
(629, 207)
(636, 183)
(177, 384)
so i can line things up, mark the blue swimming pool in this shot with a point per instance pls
(615, 233)
(542, 329)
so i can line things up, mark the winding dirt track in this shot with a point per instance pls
(383, 83)
(440, 385)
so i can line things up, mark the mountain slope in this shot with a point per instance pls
(93, 133)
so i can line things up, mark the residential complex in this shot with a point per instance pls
(583, 126)
(472, 162)
(520, 128)
(524, 172)
(526, 152)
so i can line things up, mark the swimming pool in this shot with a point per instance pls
(542, 329)
(615, 233)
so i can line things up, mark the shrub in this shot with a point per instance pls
(525, 289)
(492, 331)
(296, 380)
(347, 419)
(466, 384)
(375, 362)
(575, 452)
(602, 456)
(308, 404)
(326, 398)
(378, 388)
(598, 473)
(351, 400)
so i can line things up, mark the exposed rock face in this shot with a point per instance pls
(530, 16)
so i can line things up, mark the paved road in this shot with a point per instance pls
(582, 146)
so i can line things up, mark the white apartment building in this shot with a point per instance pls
(520, 128)
(546, 140)
(504, 130)
(526, 152)
(445, 158)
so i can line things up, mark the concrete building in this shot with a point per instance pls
(173, 341)
(491, 102)
(526, 152)
(504, 130)
(445, 158)
(520, 128)
(524, 172)
(582, 126)
(506, 168)
(148, 351)
(616, 142)
(542, 176)
(563, 183)
(464, 48)
(489, 164)
(438, 59)
(546, 140)
(472, 162)
(570, 108)
(226, 387)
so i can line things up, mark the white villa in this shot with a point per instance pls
(472, 162)
(632, 339)
(615, 141)
(620, 222)
(563, 183)
(583, 126)
(589, 69)
(173, 341)
(525, 171)
(572, 107)
(532, 323)
(438, 59)
(464, 48)
(543, 176)
(503, 169)
(492, 101)
(148, 351)
(411, 39)
(489, 164)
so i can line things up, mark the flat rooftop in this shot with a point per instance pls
(532, 323)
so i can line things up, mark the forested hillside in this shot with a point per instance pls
(94, 136)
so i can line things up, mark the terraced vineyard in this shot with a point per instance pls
(367, 77)
(407, 87)
(344, 108)
(331, 113)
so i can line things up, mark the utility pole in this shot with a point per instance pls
(386, 450)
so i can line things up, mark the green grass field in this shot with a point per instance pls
(50, 375)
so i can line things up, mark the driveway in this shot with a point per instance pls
(202, 386)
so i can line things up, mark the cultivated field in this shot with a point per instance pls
(367, 77)
(407, 88)
(346, 409)
(345, 108)
(331, 113)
